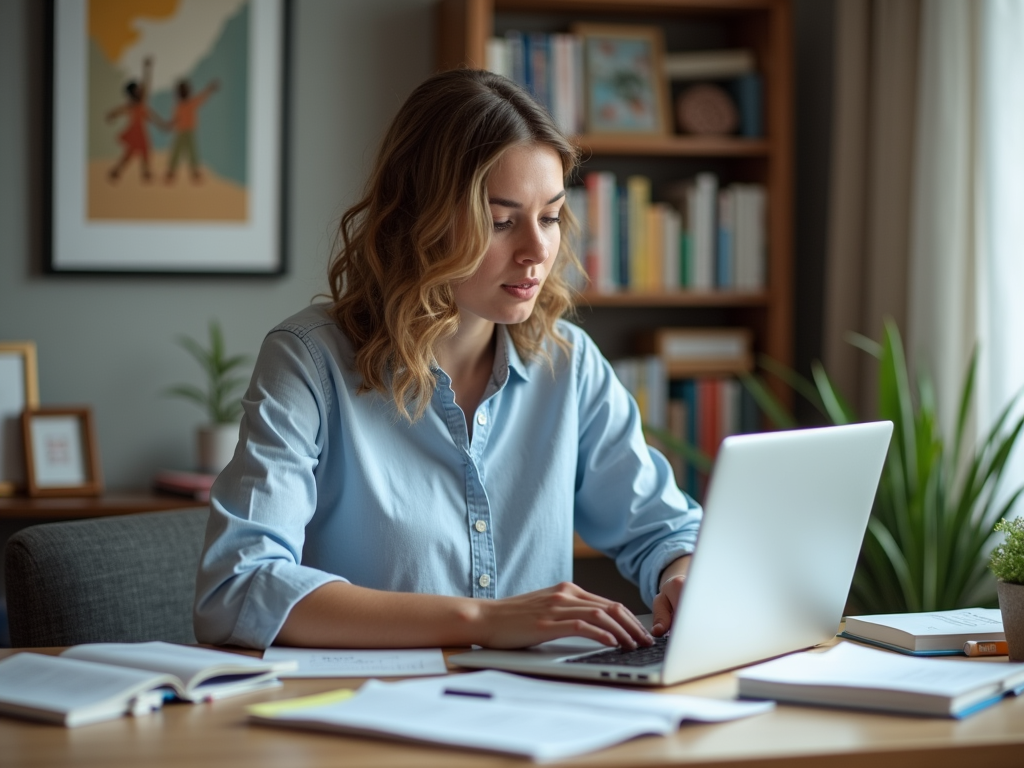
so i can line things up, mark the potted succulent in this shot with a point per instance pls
(1007, 563)
(221, 400)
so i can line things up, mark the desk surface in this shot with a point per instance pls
(217, 735)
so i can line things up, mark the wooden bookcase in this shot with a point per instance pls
(765, 27)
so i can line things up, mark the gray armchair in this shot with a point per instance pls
(111, 579)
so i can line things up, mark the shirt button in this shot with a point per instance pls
(485, 580)
(481, 418)
(480, 525)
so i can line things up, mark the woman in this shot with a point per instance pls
(415, 455)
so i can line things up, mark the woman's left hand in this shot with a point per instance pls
(665, 603)
(672, 580)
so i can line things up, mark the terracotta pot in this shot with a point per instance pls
(1011, 605)
(216, 446)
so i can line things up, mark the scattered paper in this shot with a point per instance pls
(326, 662)
(500, 712)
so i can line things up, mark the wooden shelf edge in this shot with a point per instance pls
(672, 146)
(675, 299)
(633, 7)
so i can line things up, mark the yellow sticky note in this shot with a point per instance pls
(273, 708)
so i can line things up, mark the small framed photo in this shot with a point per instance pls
(626, 89)
(167, 137)
(61, 457)
(19, 389)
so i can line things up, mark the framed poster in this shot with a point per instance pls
(61, 457)
(168, 136)
(625, 87)
(19, 389)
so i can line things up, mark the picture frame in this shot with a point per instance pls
(167, 137)
(19, 389)
(61, 455)
(626, 91)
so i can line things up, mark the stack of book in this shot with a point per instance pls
(705, 238)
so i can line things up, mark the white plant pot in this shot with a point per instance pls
(216, 445)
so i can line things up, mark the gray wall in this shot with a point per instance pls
(109, 341)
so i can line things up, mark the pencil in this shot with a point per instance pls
(981, 648)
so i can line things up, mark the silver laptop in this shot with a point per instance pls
(784, 518)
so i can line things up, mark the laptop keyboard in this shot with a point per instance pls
(640, 657)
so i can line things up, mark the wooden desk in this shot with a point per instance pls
(216, 735)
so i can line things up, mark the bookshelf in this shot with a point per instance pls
(762, 26)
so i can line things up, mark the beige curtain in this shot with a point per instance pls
(942, 316)
(874, 108)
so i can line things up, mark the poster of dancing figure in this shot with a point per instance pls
(167, 135)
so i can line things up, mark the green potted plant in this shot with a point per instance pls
(934, 516)
(220, 400)
(1007, 563)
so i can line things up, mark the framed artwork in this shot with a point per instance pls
(19, 389)
(61, 458)
(625, 85)
(167, 136)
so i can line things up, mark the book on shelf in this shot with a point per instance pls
(700, 351)
(699, 411)
(102, 681)
(195, 485)
(853, 676)
(700, 237)
(928, 633)
(717, 64)
(549, 66)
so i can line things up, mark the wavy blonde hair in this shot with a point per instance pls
(424, 225)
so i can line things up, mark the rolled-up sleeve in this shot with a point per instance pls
(250, 573)
(628, 505)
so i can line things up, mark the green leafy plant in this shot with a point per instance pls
(221, 400)
(1007, 560)
(935, 514)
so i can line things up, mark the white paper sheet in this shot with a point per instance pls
(327, 662)
(497, 711)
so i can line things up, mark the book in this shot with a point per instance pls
(850, 675)
(195, 485)
(501, 712)
(929, 633)
(708, 65)
(696, 351)
(102, 681)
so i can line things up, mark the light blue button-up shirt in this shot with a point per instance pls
(330, 485)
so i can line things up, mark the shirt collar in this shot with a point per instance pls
(506, 355)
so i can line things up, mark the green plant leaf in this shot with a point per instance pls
(800, 385)
(837, 410)
(221, 400)
(768, 403)
(681, 448)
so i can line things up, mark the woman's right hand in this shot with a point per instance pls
(563, 610)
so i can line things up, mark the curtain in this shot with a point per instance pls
(1000, 240)
(867, 265)
(942, 326)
